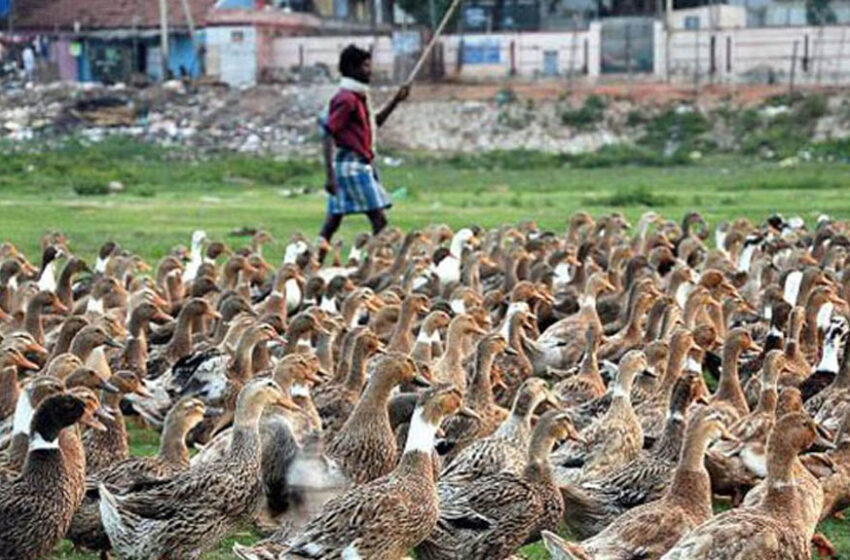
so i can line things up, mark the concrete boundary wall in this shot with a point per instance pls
(726, 56)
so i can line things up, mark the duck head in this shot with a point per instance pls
(182, 418)
(255, 396)
(631, 365)
(53, 415)
(532, 393)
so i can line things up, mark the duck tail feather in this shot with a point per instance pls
(561, 549)
(245, 552)
(113, 522)
(587, 515)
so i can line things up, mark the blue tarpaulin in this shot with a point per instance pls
(232, 4)
(5, 7)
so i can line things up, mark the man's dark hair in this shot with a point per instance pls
(350, 60)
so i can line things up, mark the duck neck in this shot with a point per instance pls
(324, 350)
(172, 446)
(842, 378)
(416, 459)
(82, 347)
(245, 446)
(589, 366)
(515, 333)
(64, 287)
(351, 314)
(453, 355)
(32, 321)
(346, 356)
(768, 398)
(522, 410)
(181, 340)
(401, 258)
(729, 385)
(138, 323)
(539, 449)
(691, 483)
(402, 336)
(829, 359)
(295, 334)
(63, 342)
(480, 391)
(9, 387)
(243, 362)
(634, 328)
(692, 309)
(782, 492)
(357, 372)
(374, 399)
(112, 402)
(669, 446)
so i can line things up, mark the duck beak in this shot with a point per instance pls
(649, 372)
(142, 391)
(381, 349)
(500, 384)
(479, 331)
(36, 348)
(756, 347)
(286, 402)
(702, 399)
(161, 317)
(59, 308)
(575, 436)
(469, 413)
(109, 388)
(90, 421)
(26, 364)
(111, 342)
(315, 376)
(510, 351)
(104, 414)
(421, 381)
(374, 304)
(553, 399)
(214, 315)
(824, 437)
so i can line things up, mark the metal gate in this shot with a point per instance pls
(627, 45)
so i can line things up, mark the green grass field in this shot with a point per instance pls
(168, 195)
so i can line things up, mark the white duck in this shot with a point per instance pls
(196, 257)
(448, 269)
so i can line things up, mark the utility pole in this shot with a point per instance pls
(668, 36)
(163, 37)
(190, 21)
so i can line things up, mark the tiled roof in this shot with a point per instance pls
(104, 14)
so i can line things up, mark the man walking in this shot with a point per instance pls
(352, 181)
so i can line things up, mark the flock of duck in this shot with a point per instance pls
(437, 393)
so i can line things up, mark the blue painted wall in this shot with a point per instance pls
(182, 52)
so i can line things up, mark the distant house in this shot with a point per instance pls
(113, 40)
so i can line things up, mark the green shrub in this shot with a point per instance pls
(590, 113)
(674, 131)
(615, 155)
(89, 188)
(639, 195)
(810, 108)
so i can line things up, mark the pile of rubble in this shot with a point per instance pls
(267, 119)
(281, 119)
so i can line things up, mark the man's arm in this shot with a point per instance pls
(385, 112)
